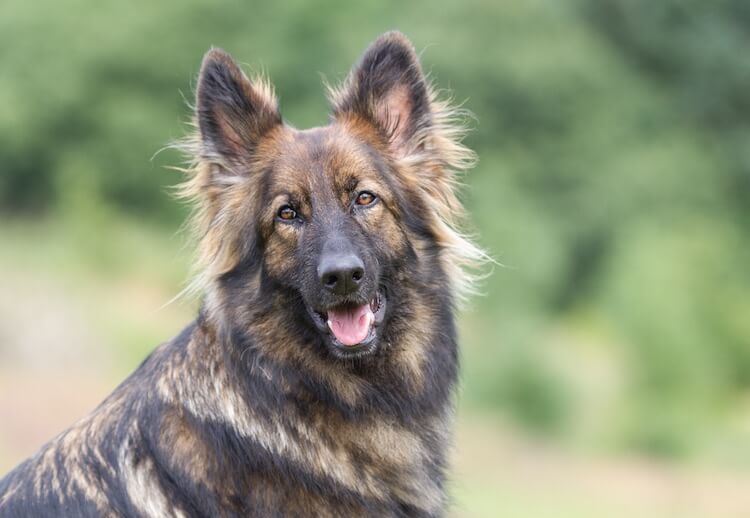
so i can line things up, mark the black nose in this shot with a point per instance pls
(341, 273)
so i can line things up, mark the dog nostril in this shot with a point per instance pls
(331, 280)
(357, 275)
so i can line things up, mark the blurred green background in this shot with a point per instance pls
(606, 370)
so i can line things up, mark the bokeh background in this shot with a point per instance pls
(606, 368)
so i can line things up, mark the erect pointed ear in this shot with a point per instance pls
(233, 114)
(388, 89)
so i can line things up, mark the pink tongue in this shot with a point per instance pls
(351, 325)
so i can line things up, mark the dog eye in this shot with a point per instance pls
(287, 213)
(365, 198)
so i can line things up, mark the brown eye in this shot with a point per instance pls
(287, 213)
(365, 198)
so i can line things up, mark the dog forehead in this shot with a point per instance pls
(326, 155)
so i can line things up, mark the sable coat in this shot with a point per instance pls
(261, 407)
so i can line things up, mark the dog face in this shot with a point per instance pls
(341, 224)
(332, 234)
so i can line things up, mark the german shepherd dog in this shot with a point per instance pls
(318, 378)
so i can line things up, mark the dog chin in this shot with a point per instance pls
(350, 330)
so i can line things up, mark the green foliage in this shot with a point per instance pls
(614, 175)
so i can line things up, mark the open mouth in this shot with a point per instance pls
(351, 328)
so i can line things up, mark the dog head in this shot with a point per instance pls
(344, 228)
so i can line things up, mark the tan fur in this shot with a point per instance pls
(214, 399)
(142, 487)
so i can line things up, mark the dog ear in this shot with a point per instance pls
(232, 112)
(388, 89)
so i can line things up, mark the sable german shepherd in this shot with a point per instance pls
(318, 378)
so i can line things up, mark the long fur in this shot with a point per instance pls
(256, 408)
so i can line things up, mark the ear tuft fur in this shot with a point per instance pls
(232, 115)
(388, 89)
(232, 112)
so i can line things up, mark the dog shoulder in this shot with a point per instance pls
(100, 466)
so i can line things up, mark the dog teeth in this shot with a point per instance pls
(375, 303)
